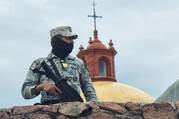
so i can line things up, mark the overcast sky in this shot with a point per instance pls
(144, 32)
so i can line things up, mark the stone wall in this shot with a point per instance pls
(93, 110)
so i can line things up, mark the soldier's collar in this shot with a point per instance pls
(70, 57)
(52, 56)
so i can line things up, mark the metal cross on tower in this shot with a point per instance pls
(94, 15)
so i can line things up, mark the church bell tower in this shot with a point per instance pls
(98, 58)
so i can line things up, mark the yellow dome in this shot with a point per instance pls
(109, 91)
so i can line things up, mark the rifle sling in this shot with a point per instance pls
(54, 68)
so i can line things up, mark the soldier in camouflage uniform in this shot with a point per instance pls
(71, 68)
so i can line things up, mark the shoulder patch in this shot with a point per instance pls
(36, 65)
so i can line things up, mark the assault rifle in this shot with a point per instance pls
(67, 93)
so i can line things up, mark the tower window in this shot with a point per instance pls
(102, 68)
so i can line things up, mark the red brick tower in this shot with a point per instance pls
(99, 59)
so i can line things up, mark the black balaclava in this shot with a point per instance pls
(61, 48)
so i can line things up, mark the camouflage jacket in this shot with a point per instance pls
(75, 72)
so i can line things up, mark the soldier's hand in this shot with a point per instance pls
(49, 88)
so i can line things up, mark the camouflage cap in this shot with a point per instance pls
(65, 31)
